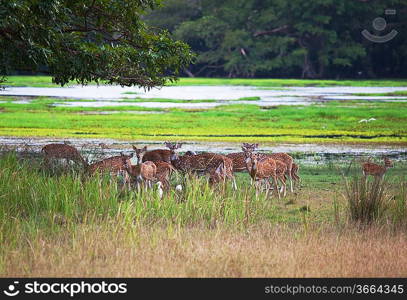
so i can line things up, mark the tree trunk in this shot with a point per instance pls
(189, 73)
(308, 70)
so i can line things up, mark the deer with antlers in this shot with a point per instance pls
(238, 158)
(376, 170)
(261, 168)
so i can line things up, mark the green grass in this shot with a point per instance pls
(39, 199)
(396, 93)
(45, 81)
(42, 199)
(164, 100)
(26, 81)
(328, 122)
(254, 98)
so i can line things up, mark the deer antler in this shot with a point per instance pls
(171, 146)
(249, 147)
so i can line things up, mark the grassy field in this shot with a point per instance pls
(70, 225)
(333, 122)
(46, 81)
(64, 223)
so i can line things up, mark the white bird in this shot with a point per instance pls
(159, 190)
(363, 120)
(178, 188)
(371, 119)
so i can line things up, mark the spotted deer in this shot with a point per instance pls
(217, 175)
(238, 158)
(159, 154)
(283, 157)
(163, 174)
(62, 151)
(142, 172)
(205, 163)
(281, 171)
(288, 161)
(376, 170)
(261, 168)
(115, 165)
(112, 164)
(220, 172)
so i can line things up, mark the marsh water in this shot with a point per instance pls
(121, 96)
(117, 96)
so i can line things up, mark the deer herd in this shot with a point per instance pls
(156, 166)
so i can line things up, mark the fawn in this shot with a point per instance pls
(223, 171)
(142, 171)
(376, 170)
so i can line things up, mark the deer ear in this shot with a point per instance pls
(144, 148)
(134, 147)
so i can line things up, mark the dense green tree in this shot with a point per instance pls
(313, 39)
(88, 40)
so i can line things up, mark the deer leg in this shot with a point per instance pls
(138, 184)
(276, 187)
(234, 185)
(266, 186)
(283, 185)
(291, 184)
(296, 181)
(256, 186)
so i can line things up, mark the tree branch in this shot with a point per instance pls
(270, 32)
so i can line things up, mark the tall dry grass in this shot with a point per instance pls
(376, 200)
(114, 250)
